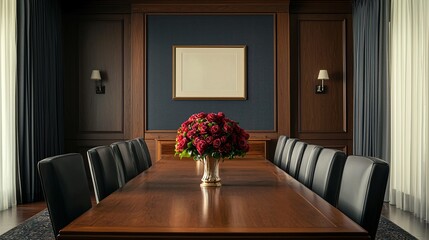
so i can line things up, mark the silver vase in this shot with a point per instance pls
(211, 172)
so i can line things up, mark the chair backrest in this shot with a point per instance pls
(140, 157)
(124, 155)
(295, 158)
(65, 187)
(362, 191)
(327, 174)
(105, 171)
(308, 163)
(287, 152)
(279, 149)
(145, 150)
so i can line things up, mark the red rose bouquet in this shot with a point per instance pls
(211, 135)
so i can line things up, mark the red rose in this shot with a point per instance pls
(201, 146)
(242, 143)
(193, 117)
(245, 134)
(246, 148)
(215, 129)
(191, 134)
(211, 117)
(202, 127)
(226, 148)
(185, 124)
(181, 145)
(221, 115)
(179, 138)
(209, 139)
(223, 139)
(201, 115)
(228, 128)
(217, 143)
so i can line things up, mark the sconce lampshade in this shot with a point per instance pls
(95, 75)
(323, 75)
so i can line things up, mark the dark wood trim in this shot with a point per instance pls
(321, 6)
(127, 75)
(138, 76)
(209, 6)
(283, 75)
(97, 6)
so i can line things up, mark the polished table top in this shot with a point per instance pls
(256, 200)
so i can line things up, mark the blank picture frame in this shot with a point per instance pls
(209, 72)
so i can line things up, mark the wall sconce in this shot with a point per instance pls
(99, 88)
(323, 75)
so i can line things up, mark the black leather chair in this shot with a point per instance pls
(295, 159)
(287, 152)
(279, 149)
(142, 163)
(308, 163)
(327, 174)
(362, 191)
(105, 173)
(124, 155)
(145, 150)
(65, 187)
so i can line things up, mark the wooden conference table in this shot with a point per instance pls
(257, 200)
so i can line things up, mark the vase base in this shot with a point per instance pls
(211, 184)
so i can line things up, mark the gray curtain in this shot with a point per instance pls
(40, 88)
(371, 85)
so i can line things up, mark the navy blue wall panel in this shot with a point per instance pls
(254, 31)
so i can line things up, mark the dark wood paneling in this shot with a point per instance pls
(322, 41)
(101, 47)
(322, 46)
(97, 42)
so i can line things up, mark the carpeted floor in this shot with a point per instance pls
(39, 228)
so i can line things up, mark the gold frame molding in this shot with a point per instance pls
(209, 72)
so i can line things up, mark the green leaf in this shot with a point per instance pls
(184, 154)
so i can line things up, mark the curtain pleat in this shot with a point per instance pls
(40, 108)
(371, 85)
(7, 103)
(410, 106)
